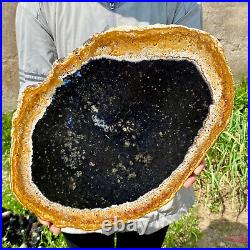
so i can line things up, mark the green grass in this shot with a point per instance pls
(226, 173)
(225, 177)
(184, 232)
(8, 200)
(6, 138)
(48, 240)
(10, 203)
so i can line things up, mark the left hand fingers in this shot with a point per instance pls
(191, 179)
(199, 168)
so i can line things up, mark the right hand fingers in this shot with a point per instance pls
(45, 223)
(55, 230)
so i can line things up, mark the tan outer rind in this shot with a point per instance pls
(131, 43)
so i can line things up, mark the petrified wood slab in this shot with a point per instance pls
(119, 125)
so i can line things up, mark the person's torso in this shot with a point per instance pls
(72, 24)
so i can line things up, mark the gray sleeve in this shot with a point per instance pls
(186, 13)
(35, 45)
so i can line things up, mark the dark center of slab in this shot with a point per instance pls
(116, 129)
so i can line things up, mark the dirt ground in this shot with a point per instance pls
(229, 229)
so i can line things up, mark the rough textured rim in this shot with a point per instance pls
(134, 44)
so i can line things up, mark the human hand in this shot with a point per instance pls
(55, 230)
(191, 179)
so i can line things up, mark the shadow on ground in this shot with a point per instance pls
(224, 233)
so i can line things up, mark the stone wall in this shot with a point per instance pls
(226, 21)
(10, 76)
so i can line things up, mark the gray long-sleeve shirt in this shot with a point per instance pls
(50, 30)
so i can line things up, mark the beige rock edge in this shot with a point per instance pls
(133, 44)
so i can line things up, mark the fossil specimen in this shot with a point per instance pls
(118, 125)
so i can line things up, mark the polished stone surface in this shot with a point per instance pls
(116, 129)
